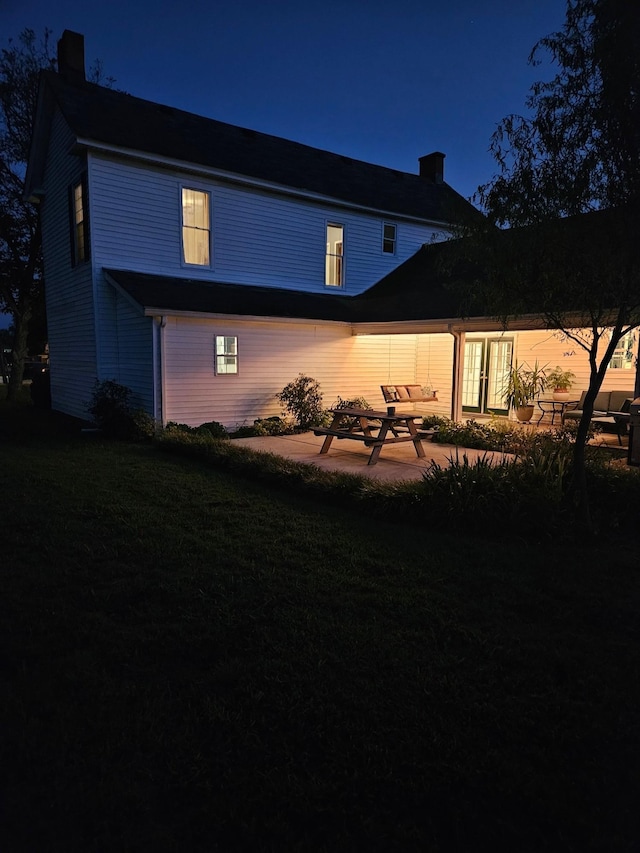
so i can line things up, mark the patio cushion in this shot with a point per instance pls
(620, 401)
(415, 391)
(402, 393)
(389, 393)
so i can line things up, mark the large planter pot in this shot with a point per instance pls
(524, 413)
(561, 394)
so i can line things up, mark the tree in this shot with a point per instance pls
(21, 276)
(20, 243)
(568, 191)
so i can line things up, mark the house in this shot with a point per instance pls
(205, 265)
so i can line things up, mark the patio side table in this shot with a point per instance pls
(554, 407)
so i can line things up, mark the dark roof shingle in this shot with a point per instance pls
(109, 117)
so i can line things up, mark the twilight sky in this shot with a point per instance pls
(376, 80)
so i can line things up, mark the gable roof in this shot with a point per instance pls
(105, 117)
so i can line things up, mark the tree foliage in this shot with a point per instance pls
(21, 275)
(579, 149)
(560, 235)
(20, 244)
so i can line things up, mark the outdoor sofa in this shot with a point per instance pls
(608, 408)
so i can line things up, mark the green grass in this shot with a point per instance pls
(195, 662)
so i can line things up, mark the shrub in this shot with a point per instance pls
(302, 399)
(435, 422)
(212, 428)
(110, 409)
(270, 426)
(352, 403)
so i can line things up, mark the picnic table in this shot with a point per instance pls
(374, 428)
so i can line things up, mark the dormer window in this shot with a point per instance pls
(196, 227)
(333, 270)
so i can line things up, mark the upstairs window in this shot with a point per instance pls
(389, 233)
(196, 227)
(226, 354)
(79, 210)
(333, 273)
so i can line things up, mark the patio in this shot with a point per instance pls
(396, 462)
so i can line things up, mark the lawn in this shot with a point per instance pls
(192, 661)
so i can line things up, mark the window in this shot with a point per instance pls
(389, 238)
(622, 357)
(79, 210)
(226, 354)
(333, 274)
(196, 228)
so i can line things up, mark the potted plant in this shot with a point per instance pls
(561, 381)
(521, 388)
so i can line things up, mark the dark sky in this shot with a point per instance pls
(380, 81)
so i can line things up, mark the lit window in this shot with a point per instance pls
(226, 354)
(196, 228)
(389, 239)
(333, 274)
(622, 358)
(79, 222)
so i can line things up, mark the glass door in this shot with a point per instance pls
(487, 362)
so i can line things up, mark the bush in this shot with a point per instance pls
(110, 409)
(353, 403)
(302, 399)
(213, 428)
(271, 426)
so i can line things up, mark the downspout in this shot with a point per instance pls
(456, 379)
(158, 370)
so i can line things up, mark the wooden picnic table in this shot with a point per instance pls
(375, 428)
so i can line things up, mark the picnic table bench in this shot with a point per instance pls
(374, 428)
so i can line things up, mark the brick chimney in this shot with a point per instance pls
(432, 167)
(71, 57)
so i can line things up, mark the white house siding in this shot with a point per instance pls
(258, 238)
(68, 289)
(435, 368)
(270, 356)
(133, 366)
(550, 349)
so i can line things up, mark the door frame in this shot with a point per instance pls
(487, 342)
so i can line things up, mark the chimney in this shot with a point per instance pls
(432, 167)
(71, 57)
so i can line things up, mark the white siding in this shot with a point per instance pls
(68, 289)
(550, 349)
(273, 354)
(133, 366)
(258, 238)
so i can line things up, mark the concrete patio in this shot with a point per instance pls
(396, 462)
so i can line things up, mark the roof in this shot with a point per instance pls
(108, 117)
(418, 289)
(167, 294)
(414, 291)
